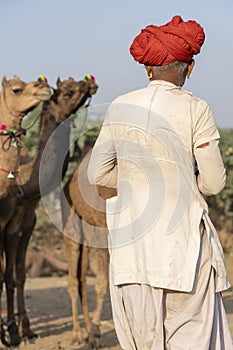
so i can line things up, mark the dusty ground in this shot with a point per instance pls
(50, 312)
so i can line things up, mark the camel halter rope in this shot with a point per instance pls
(85, 107)
(12, 139)
(81, 129)
(12, 136)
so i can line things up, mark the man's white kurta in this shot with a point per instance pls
(154, 221)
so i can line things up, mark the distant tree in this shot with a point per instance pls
(32, 123)
(221, 206)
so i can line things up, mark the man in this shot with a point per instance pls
(167, 266)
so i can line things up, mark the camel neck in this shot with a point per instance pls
(7, 116)
(43, 172)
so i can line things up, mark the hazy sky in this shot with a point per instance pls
(78, 37)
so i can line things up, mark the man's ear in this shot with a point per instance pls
(190, 68)
(149, 70)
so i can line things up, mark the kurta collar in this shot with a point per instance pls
(164, 83)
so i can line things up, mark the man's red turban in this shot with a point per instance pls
(175, 41)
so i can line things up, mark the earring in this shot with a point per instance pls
(149, 76)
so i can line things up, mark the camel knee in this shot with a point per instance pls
(72, 288)
(101, 290)
(101, 286)
(10, 285)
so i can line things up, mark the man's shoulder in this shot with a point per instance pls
(142, 95)
(194, 99)
(130, 96)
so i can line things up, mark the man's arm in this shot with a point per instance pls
(102, 169)
(212, 174)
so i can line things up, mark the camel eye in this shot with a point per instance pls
(17, 91)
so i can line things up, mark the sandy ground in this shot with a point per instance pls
(49, 310)
(50, 313)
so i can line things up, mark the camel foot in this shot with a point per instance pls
(13, 331)
(77, 338)
(26, 333)
(3, 337)
(29, 337)
(94, 337)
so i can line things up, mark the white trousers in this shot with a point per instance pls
(158, 319)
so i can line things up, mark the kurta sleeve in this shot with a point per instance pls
(212, 175)
(102, 168)
(204, 126)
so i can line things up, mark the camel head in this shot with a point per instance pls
(71, 95)
(18, 97)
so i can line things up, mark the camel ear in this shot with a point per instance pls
(4, 80)
(58, 81)
(16, 77)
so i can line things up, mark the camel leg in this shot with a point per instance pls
(83, 286)
(10, 244)
(23, 320)
(73, 229)
(2, 329)
(101, 288)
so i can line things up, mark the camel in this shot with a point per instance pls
(17, 98)
(66, 100)
(85, 228)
